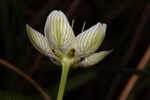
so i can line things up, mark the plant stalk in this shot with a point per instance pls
(65, 70)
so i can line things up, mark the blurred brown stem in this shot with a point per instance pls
(72, 7)
(134, 78)
(29, 79)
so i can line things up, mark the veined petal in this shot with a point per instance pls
(94, 58)
(39, 41)
(58, 31)
(89, 40)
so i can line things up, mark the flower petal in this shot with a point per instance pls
(89, 40)
(39, 41)
(94, 58)
(58, 31)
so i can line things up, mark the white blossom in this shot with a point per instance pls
(59, 41)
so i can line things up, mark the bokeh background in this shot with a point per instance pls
(128, 23)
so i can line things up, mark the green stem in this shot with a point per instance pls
(65, 70)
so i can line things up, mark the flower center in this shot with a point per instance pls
(69, 56)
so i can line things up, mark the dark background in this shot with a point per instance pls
(127, 33)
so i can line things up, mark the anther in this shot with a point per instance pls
(82, 58)
(57, 53)
(53, 50)
(71, 53)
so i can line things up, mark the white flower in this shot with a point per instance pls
(59, 41)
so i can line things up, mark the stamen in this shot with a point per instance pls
(71, 53)
(53, 50)
(82, 58)
(78, 59)
(73, 23)
(57, 53)
(83, 27)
